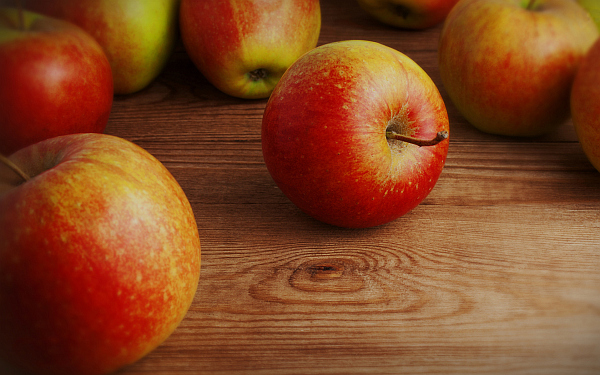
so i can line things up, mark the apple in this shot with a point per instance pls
(354, 134)
(593, 8)
(408, 14)
(585, 104)
(510, 80)
(55, 80)
(244, 47)
(99, 255)
(138, 37)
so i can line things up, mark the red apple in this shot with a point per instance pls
(585, 104)
(99, 255)
(338, 129)
(508, 65)
(55, 80)
(409, 14)
(138, 37)
(244, 47)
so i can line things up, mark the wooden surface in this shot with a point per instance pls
(496, 272)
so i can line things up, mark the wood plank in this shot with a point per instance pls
(496, 272)
(522, 296)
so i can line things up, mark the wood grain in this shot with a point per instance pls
(496, 272)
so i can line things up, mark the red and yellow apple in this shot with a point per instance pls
(138, 37)
(355, 134)
(99, 255)
(408, 14)
(585, 104)
(508, 65)
(244, 47)
(54, 80)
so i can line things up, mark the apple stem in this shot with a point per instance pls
(440, 136)
(530, 4)
(14, 167)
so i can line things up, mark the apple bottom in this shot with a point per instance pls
(84, 323)
(363, 200)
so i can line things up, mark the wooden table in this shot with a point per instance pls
(496, 272)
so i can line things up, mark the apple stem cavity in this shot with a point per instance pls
(530, 4)
(258, 74)
(400, 10)
(6, 161)
(439, 137)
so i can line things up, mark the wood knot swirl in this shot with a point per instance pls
(336, 280)
(326, 271)
(380, 279)
(327, 275)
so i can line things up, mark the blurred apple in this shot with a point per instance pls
(355, 134)
(508, 65)
(138, 37)
(593, 8)
(99, 255)
(54, 80)
(585, 104)
(244, 47)
(409, 14)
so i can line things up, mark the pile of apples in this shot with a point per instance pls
(99, 247)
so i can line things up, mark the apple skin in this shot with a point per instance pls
(228, 40)
(408, 14)
(508, 80)
(324, 134)
(55, 78)
(138, 37)
(593, 8)
(585, 104)
(99, 256)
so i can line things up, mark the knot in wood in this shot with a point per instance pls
(325, 271)
(335, 275)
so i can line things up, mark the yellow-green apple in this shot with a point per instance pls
(408, 14)
(508, 65)
(243, 47)
(593, 8)
(138, 37)
(355, 134)
(99, 255)
(55, 80)
(585, 104)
